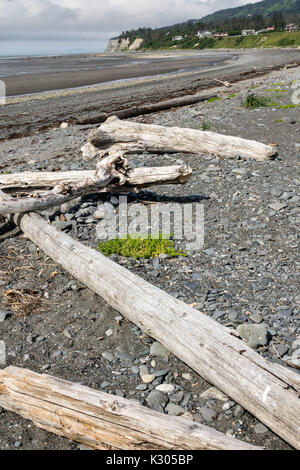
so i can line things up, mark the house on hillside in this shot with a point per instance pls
(271, 28)
(177, 38)
(248, 32)
(220, 35)
(203, 34)
(291, 27)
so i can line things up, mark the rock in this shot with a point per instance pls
(148, 378)
(238, 411)
(105, 384)
(278, 349)
(276, 191)
(187, 376)
(4, 314)
(294, 360)
(174, 410)
(99, 214)
(214, 394)
(166, 388)
(277, 206)
(242, 172)
(207, 413)
(108, 356)
(158, 350)
(157, 400)
(256, 317)
(228, 405)
(260, 429)
(64, 125)
(255, 335)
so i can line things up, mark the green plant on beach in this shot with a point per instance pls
(232, 95)
(254, 102)
(214, 98)
(278, 120)
(144, 247)
(206, 125)
(287, 106)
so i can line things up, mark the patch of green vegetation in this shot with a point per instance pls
(271, 90)
(5, 172)
(206, 125)
(255, 101)
(277, 84)
(211, 100)
(278, 120)
(287, 106)
(233, 95)
(143, 247)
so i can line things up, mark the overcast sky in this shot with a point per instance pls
(43, 21)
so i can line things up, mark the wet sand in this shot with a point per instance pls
(56, 73)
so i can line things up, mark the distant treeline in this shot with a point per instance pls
(162, 37)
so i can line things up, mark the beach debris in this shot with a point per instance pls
(134, 137)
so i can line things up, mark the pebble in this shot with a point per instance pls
(213, 393)
(256, 317)
(187, 376)
(157, 400)
(260, 429)
(279, 349)
(174, 410)
(207, 413)
(166, 388)
(255, 335)
(238, 411)
(148, 378)
(4, 314)
(158, 350)
(277, 206)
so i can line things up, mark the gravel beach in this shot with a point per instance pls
(246, 274)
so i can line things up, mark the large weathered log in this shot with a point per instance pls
(134, 137)
(100, 420)
(135, 178)
(147, 109)
(269, 391)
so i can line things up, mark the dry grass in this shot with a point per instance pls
(23, 302)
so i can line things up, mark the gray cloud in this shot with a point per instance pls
(96, 20)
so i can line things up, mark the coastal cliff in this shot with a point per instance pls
(118, 45)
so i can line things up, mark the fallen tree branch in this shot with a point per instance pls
(102, 421)
(135, 178)
(148, 109)
(268, 391)
(227, 84)
(134, 137)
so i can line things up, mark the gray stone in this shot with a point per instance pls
(207, 413)
(255, 335)
(166, 388)
(256, 317)
(279, 349)
(108, 356)
(174, 410)
(157, 400)
(238, 411)
(277, 206)
(260, 429)
(213, 393)
(4, 314)
(158, 350)
(276, 191)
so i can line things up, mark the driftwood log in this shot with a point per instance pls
(112, 168)
(268, 391)
(134, 137)
(102, 421)
(135, 178)
(148, 109)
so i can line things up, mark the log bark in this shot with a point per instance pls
(268, 391)
(134, 137)
(102, 421)
(135, 178)
(147, 109)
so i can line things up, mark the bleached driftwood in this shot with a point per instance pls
(112, 168)
(268, 391)
(135, 178)
(134, 137)
(224, 83)
(102, 421)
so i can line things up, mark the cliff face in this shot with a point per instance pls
(116, 45)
